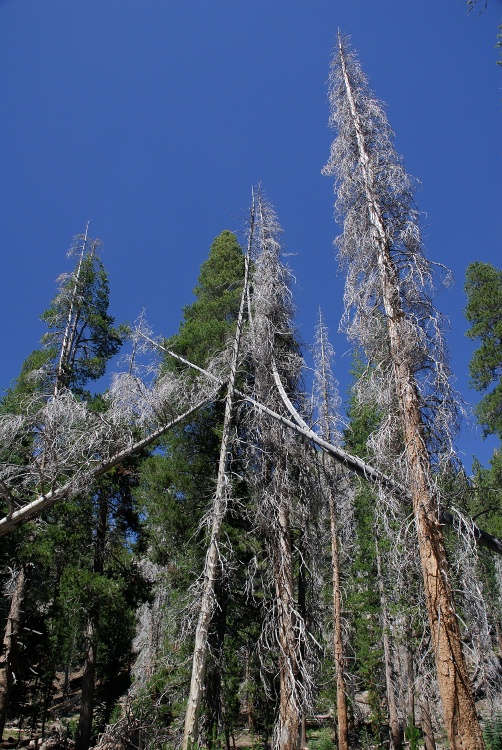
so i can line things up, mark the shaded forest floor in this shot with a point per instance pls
(62, 718)
(60, 722)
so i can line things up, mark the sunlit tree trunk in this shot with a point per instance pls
(458, 703)
(381, 232)
(214, 719)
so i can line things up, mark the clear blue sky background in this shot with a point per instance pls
(153, 119)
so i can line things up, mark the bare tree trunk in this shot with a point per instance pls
(410, 677)
(84, 729)
(459, 710)
(289, 710)
(426, 723)
(302, 609)
(215, 717)
(71, 323)
(396, 729)
(201, 638)
(326, 392)
(273, 340)
(341, 701)
(212, 563)
(303, 732)
(11, 644)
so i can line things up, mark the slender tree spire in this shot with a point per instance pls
(334, 485)
(71, 323)
(273, 454)
(388, 306)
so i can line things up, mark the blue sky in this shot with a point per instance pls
(154, 118)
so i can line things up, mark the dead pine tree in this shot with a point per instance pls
(211, 571)
(387, 295)
(335, 489)
(483, 662)
(273, 452)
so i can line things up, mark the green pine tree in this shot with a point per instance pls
(484, 312)
(177, 487)
(61, 554)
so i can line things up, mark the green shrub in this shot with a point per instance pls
(493, 733)
(413, 735)
(323, 741)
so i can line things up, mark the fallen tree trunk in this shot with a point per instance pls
(47, 500)
(352, 463)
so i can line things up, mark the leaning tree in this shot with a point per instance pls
(388, 307)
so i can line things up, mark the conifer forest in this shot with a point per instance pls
(205, 544)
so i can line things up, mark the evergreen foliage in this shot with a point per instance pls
(178, 484)
(210, 319)
(493, 733)
(68, 578)
(483, 287)
(363, 601)
(81, 337)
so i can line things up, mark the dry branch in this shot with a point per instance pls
(86, 476)
(352, 463)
